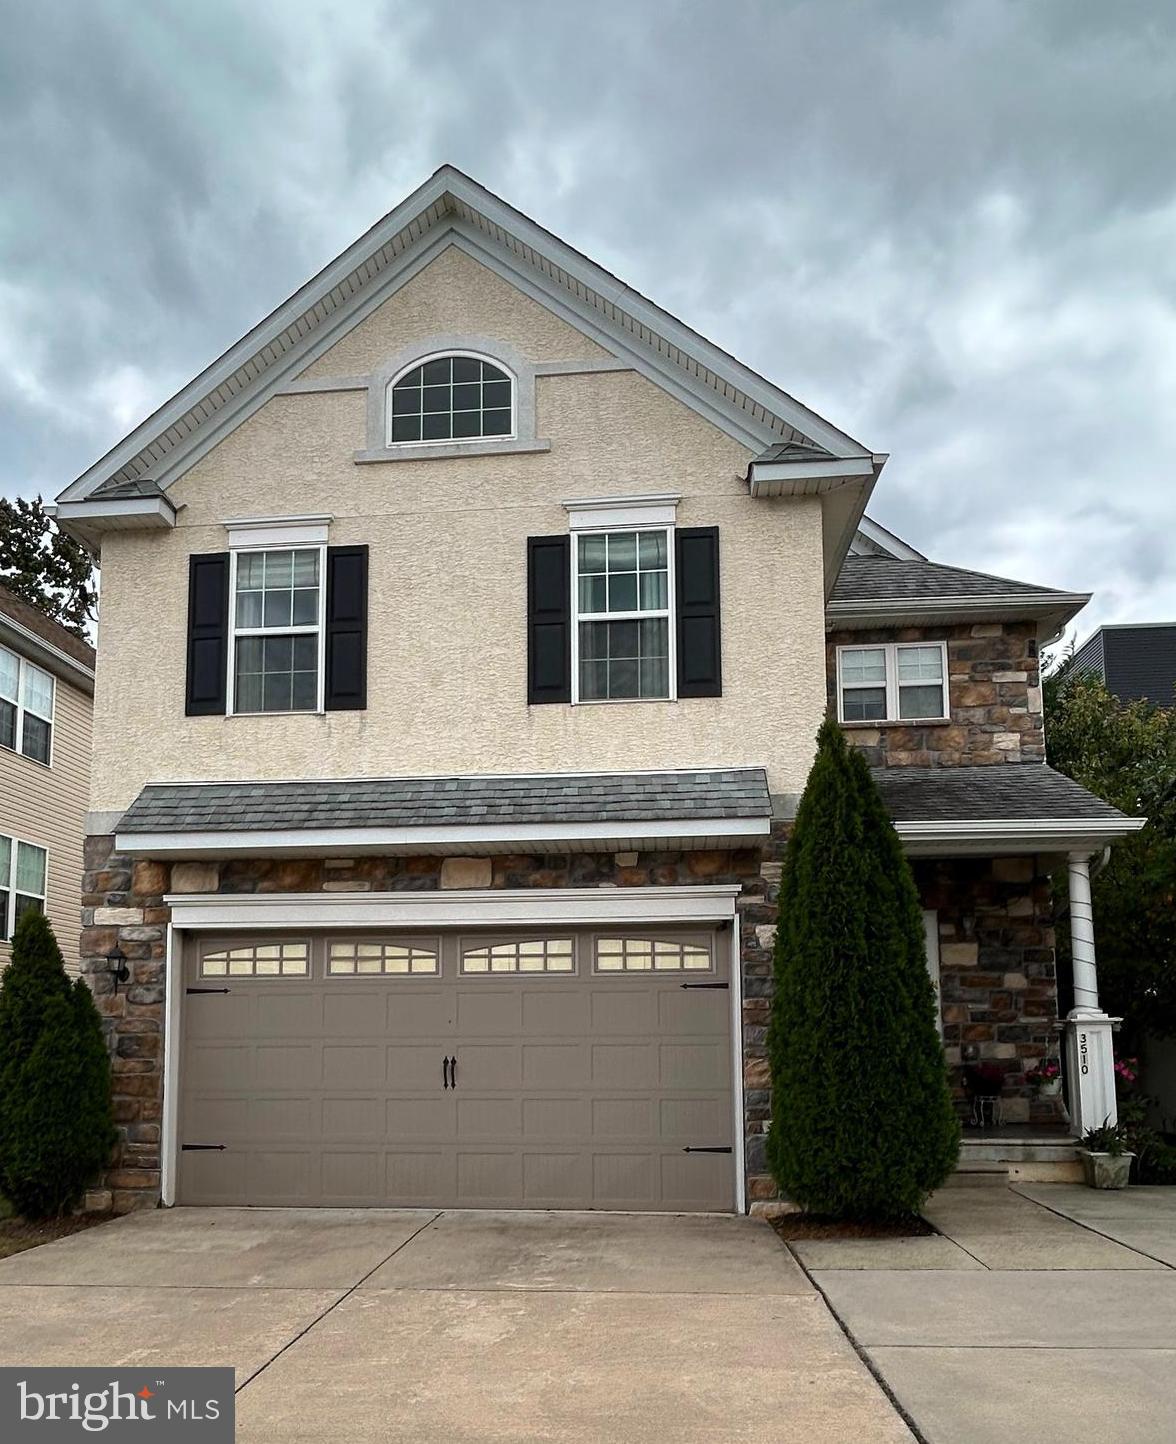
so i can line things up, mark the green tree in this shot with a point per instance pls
(1125, 753)
(863, 1125)
(46, 568)
(56, 1129)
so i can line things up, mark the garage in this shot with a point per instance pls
(553, 1067)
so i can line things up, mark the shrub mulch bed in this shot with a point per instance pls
(795, 1227)
(18, 1234)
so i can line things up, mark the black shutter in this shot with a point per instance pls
(700, 672)
(347, 588)
(208, 634)
(549, 621)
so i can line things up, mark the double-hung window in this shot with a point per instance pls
(277, 640)
(26, 707)
(893, 682)
(22, 881)
(623, 588)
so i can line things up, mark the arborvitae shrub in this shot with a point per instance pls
(863, 1125)
(56, 1130)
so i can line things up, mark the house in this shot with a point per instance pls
(466, 630)
(46, 719)
(1136, 660)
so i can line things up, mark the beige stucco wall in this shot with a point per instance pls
(447, 640)
(47, 807)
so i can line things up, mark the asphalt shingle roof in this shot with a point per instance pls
(446, 801)
(884, 579)
(1012, 792)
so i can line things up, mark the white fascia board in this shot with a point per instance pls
(462, 907)
(154, 511)
(45, 654)
(497, 836)
(889, 542)
(785, 478)
(660, 509)
(934, 838)
(869, 613)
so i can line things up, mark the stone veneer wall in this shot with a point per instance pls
(123, 903)
(995, 698)
(997, 971)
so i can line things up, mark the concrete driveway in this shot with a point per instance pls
(1042, 1311)
(374, 1325)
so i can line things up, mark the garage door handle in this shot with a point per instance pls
(445, 1071)
(453, 1072)
(206, 990)
(706, 1150)
(704, 985)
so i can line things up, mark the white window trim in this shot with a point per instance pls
(507, 371)
(621, 513)
(10, 884)
(891, 651)
(320, 627)
(273, 533)
(670, 612)
(473, 943)
(420, 944)
(21, 663)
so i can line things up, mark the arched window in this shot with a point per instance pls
(451, 398)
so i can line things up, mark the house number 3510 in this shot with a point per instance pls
(1083, 1054)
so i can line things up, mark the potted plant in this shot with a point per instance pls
(1106, 1160)
(1046, 1078)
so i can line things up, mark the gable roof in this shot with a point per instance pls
(877, 590)
(451, 208)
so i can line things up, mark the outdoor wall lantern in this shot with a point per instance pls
(118, 966)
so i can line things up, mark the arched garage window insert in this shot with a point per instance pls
(458, 397)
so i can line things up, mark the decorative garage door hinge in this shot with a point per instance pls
(704, 985)
(706, 1150)
(202, 1147)
(206, 990)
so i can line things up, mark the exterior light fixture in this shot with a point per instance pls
(118, 966)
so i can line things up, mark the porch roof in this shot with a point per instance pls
(554, 812)
(1014, 807)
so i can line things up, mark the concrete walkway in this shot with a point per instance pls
(1043, 1312)
(373, 1325)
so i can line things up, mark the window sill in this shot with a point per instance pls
(900, 722)
(621, 701)
(437, 450)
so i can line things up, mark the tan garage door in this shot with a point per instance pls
(538, 1070)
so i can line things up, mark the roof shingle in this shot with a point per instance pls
(1013, 792)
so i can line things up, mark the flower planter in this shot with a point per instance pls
(1050, 1089)
(1105, 1170)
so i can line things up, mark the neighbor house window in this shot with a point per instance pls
(451, 398)
(277, 630)
(893, 682)
(622, 589)
(22, 881)
(26, 707)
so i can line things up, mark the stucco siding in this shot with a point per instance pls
(47, 807)
(447, 641)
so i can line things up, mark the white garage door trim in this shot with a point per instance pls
(197, 912)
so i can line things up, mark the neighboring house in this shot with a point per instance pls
(46, 719)
(1136, 660)
(466, 629)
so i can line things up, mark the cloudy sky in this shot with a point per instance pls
(950, 228)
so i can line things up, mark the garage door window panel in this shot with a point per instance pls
(518, 955)
(628, 954)
(257, 960)
(380, 957)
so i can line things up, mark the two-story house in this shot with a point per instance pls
(46, 719)
(1136, 661)
(466, 629)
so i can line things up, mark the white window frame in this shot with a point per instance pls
(496, 362)
(9, 919)
(474, 942)
(319, 628)
(18, 740)
(702, 941)
(221, 945)
(415, 943)
(670, 612)
(890, 651)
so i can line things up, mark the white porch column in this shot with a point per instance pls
(1090, 1057)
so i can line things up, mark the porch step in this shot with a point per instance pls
(970, 1173)
(1029, 1149)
